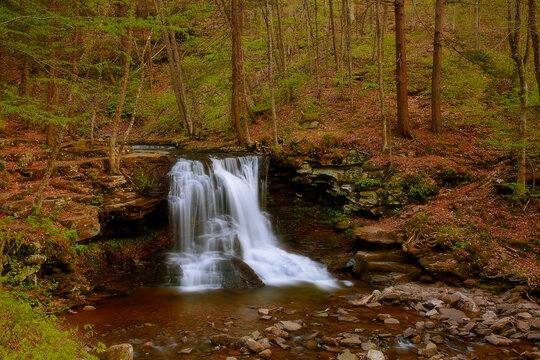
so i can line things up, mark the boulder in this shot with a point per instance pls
(82, 218)
(376, 236)
(236, 274)
(453, 314)
(375, 355)
(289, 326)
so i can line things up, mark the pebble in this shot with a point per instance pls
(264, 311)
(89, 308)
(289, 325)
(375, 355)
(391, 321)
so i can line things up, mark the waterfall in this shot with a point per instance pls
(215, 216)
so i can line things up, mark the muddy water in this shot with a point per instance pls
(163, 323)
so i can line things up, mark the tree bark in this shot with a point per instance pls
(477, 25)
(281, 48)
(126, 46)
(269, 22)
(333, 30)
(413, 14)
(347, 42)
(436, 117)
(401, 72)
(535, 41)
(379, 37)
(236, 69)
(514, 37)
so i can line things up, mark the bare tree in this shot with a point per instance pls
(379, 38)
(333, 30)
(436, 117)
(514, 37)
(401, 72)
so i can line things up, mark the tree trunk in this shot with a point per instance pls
(535, 41)
(236, 69)
(126, 46)
(436, 118)
(401, 72)
(316, 17)
(477, 25)
(308, 32)
(40, 194)
(269, 22)
(413, 14)
(379, 38)
(175, 66)
(347, 39)
(514, 37)
(333, 30)
(136, 103)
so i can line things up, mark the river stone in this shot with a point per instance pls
(266, 354)
(346, 355)
(498, 340)
(533, 336)
(524, 316)
(89, 308)
(409, 333)
(252, 345)
(118, 352)
(288, 325)
(391, 321)
(500, 324)
(237, 274)
(368, 346)
(453, 314)
(351, 341)
(375, 355)
(523, 326)
(277, 332)
(223, 339)
(430, 350)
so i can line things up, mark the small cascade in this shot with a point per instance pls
(217, 222)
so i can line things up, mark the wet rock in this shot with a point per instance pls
(368, 346)
(501, 324)
(524, 316)
(409, 333)
(311, 344)
(252, 345)
(416, 340)
(118, 352)
(533, 336)
(238, 275)
(453, 314)
(383, 317)
(223, 340)
(432, 313)
(391, 321)
(498, 340)
(375, 355)
(346, 355)
(231, 358)
(489, 315)
(351, 341)
(523, 326)
(348, 318)
(256, 335)
(321, 315)
(266, 354)
(186, 351)
(281, 343)
(361, 302)
(288, 325)
(452, 299)
(437, 339)
(264, 311)
(89, 308)
(429, 351)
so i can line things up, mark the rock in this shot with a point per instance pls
(266, 354)
(430, 350)
(256, 335)
(409, 333)
(277, 332)
(375, 355)
(452, 299)
(264, 311)
(346, 355)
(311, 344)
(453, 314)
(231, 358)
(118, 352)
(523, 326)
(501, 324)
(83, 219)
(383, 317)
(375, 235)
(361, 302)
(535, 323)
(223, 340)
(533, 336)
(432, 312)
(252, 345)
(348, 318)
(489, 315)
(416, 340)
(186, 351)
(89, 308)
(288, 325)
(111, 182)
(351, 341)
(236, 274)
(310, 125)
(281, 343)
(391, 321)
(368, 346)
(35, 259)
(524, 316)
(498, 340)
(437, 339)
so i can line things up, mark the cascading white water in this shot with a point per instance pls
(215, 215)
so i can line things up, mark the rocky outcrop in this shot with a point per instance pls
(82, 218)
(236, 274)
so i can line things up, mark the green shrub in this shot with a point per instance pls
(28, 333)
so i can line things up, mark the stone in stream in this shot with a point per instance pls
(118, 352)
(523, 326)
(264, 311)
(453, 314)
(266, 354)
(281, 343)
(409, 333)
(346, 355)
(375, 355)
(437, 339)
(351, 341)
(430, 350)
(533, 336)
(89, 308)
(288, 325)
(223, 340)
(368, 346)
(277, 332)
(252, 345)
(391, 321)
(498, 340)
(501, 324)
(524, 316)
(348, 318)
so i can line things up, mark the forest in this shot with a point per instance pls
(302, 179)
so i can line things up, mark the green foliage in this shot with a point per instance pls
(417, 188)
(143, 176)
(27, 333)
(366, 183)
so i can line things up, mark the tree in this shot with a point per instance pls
(270, 47)
(436, 117)
(535, 41)
(126, 62)
(236, 23)
(333, 31)
(379, 41)
(514, 38)
(401, 72)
